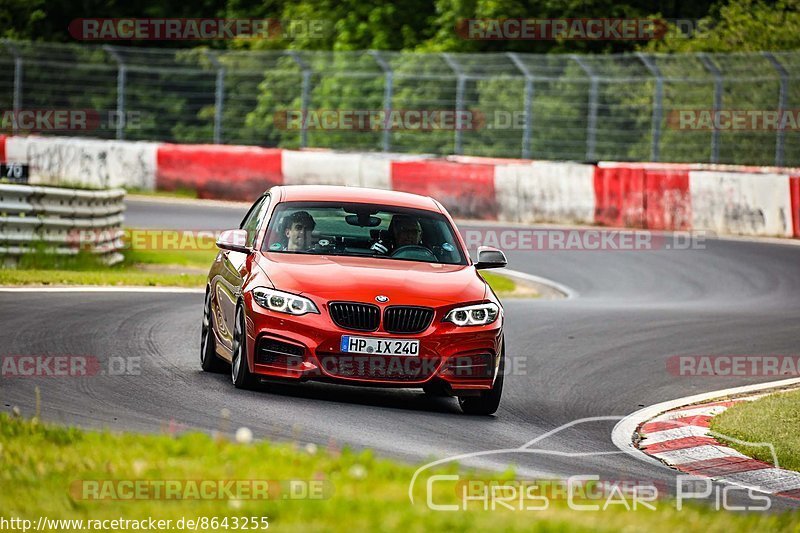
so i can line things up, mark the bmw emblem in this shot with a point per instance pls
(381, 298)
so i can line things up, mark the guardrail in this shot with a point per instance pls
(59, 221)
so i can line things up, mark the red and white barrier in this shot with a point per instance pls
(738, 203)
(545, 191)
(643, 196)
(218, 171)
(323, 167)
(466, 189)
(725, 199)
(85, 162)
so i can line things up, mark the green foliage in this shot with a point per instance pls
(175, 91)
(740, 26)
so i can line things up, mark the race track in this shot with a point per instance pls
(602, 353)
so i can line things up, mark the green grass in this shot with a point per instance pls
(42, 469)
(110, 277)
(501, 284)
(188, 258)
(177, 193)
(773, 419)
(43, 268)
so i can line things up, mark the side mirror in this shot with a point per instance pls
(234, 240)
(489, 257)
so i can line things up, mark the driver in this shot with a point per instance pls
(405, 231)
(297, 230)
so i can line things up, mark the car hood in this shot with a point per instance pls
(364, 278)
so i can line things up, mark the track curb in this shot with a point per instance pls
(676, 435)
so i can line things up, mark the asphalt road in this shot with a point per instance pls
(603, 353)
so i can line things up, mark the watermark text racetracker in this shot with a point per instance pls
(68, 366)
(734, 365)
(584, 239)
(196, 29)
(200, 489)
(66, 120)
(504, 238)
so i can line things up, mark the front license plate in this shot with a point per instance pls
(373, 346)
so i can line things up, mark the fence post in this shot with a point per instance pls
(591, 121)
(17, 96)
(529, 93)
(304, 96)
(717, 74)
(219, 95)
(121, 75)
(460, 86)
(780, 134)
(658, 105)
(388, 91)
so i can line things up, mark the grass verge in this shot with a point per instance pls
(48, 471)
(774, 419)
(177, 193)
(146, 265)
(111, 277)
(501, 284)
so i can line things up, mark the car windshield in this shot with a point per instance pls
(364, 230)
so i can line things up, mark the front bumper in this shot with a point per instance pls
(301, 348)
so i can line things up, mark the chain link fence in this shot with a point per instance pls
(716, 108)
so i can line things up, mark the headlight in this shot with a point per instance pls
(283, 302)
(473, 315)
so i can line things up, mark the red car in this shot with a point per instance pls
(356, 286)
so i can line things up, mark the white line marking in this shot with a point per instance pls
(566, 291)
(160, 290)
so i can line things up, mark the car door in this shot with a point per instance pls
(228, 285)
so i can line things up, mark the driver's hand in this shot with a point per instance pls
(380, 248)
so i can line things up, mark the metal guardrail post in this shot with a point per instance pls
(780, 134)
(305, 94)
(658, 105)
(527, 132)
(17, 96)
(388, 93)
(122, 72)
(591, 120)
(718, 79)
(461, 83)
(219, 95)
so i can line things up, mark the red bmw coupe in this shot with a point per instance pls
(357, 286)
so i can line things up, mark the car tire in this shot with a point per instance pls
(488, 401)
(240, 370)
(209, 360)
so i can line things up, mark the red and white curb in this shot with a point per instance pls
(677, 435)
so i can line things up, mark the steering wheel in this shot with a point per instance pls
(414, 251)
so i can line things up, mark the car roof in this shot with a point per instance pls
(359, 195)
